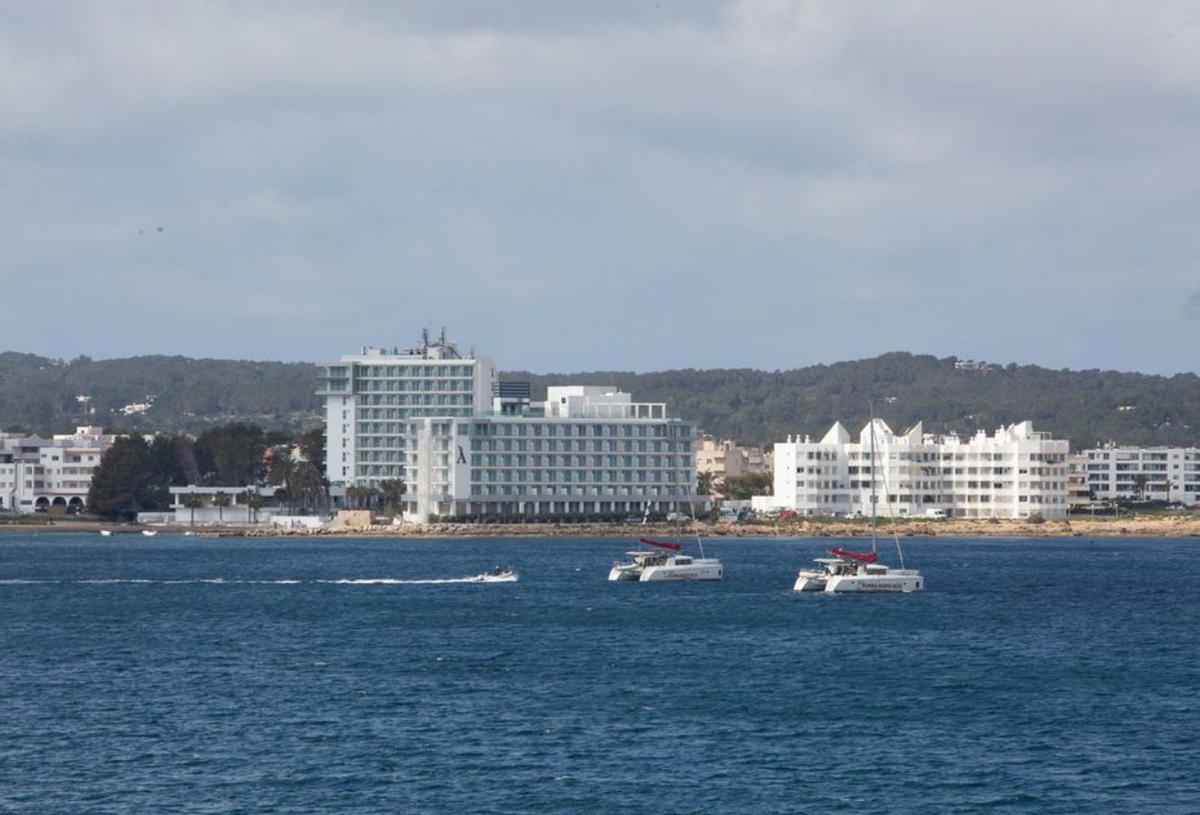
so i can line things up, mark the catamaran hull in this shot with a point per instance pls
(872, 583)
(692, 571)
(810, 582)
(624, 572)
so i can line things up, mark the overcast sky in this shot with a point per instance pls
(617, 185)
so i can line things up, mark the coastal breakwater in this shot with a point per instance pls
(1176, 526)
(1183, 525)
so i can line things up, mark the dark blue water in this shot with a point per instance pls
(1031, 676)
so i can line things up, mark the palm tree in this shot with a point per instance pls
(353, 494)
(192, 502)
(1140, 480)
(306, 484)
(253, 501)
(280, 468)
(706, 483)
(393, 490)
(371, 496)
(220, 501)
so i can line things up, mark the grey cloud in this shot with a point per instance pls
(1191, 306)
(753, 183)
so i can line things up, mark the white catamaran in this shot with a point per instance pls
(666, 561)
(860, 571)
(647, 565)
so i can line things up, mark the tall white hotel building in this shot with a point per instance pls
(468, 445)
(1013, 473)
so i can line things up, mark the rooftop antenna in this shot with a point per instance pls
(442, 337)
(424, 339)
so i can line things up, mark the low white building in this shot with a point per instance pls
(240, 510)
(1144, 473)
(49, 475)
(1013, 473)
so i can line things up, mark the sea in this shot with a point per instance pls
(318, 675)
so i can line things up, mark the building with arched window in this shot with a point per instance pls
(49, 475)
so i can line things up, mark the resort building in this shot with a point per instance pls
(373, 399)
(49, 475)
(1014, 473)
(493, 451)
(1144, 473)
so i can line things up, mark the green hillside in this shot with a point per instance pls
(185, 394)
(758, 407)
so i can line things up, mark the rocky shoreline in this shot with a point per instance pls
(1173, 526)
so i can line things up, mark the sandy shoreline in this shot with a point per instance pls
(1183, 525)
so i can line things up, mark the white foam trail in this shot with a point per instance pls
(112, 581)
(392, 581)
(106, 581)
(219, 581)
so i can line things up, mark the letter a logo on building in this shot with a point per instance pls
(462, 457)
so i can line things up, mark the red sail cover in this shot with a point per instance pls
(661, 545)
(867, 557)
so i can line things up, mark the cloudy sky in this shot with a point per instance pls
(633, 185)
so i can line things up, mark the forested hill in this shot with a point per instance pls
(1088, 407)
(185, 394)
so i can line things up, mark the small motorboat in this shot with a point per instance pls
(500, 574)
(106, 533)
(149, 533)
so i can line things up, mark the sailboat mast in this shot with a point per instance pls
(874, 465)
(692, 513)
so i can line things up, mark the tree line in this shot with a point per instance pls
(135, 475)
(38, 394)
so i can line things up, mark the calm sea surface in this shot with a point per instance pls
(187, 675)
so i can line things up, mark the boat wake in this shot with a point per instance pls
(346, 581)
(115, 581)
(393, 581)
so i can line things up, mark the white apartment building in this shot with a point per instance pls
(585, 450)
(1013, 473)
(49, 475)
(1144, 473)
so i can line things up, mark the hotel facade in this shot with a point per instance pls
(467, 445)
(1014, 473)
